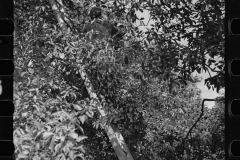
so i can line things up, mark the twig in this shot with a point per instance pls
(26, 50)
(147, 22)
(149, 19)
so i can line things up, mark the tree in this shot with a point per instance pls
(131, 74)
(201, 23)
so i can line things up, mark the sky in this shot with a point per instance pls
(206, 93)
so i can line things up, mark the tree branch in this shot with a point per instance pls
(58, 15)
(202, 112)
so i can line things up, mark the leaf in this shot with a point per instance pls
(46, 135)
(214, 155)
(25, 152)
(57, 147)
(21, 131)
(71, 155)
(61, 55)
(83, 118)
(30, 70)
(38, 145)
(133, 33)
(24, 114)
(141, 10)
(79, 148)
(74, 135)
(145, 43)
(97, 125)
(130, 109)
(52, 144)
(80, 155)
(43, 8)
(89, 114)
(199, 70)
(77, 107)
(35, 80)
(22, 156)
(27, 129)
(35, 132)
(80, 138)
(22, 74)
(35, 98)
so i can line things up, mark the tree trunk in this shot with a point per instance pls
(113, 132)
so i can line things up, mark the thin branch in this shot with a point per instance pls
(143, 22)
(202, 112)
(208, 71)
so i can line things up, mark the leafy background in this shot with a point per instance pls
(206, 93)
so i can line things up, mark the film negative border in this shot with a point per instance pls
(232, 79)
(6, 80)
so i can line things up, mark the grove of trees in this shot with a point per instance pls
(89, 84)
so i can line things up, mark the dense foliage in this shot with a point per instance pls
(144, 79)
